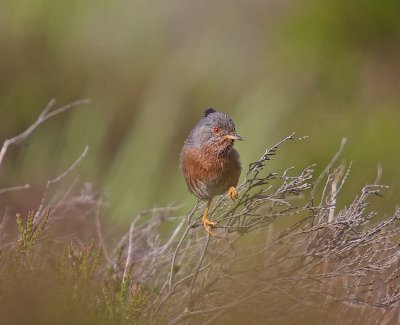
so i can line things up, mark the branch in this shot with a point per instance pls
(43, 116)
(332, 162)
(15, 188)
(59, 178)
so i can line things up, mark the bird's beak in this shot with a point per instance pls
(233, 136)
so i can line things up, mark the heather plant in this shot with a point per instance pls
(283, 253)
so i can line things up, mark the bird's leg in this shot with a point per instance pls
(207, 223)
(233, 193)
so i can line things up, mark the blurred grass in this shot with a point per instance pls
(323, 69)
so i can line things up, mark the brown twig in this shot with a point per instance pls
(43, 116)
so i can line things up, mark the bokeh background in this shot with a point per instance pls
(326, 69)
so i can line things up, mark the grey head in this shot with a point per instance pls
(215, 129)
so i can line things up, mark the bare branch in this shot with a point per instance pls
(58, 179)
(43, 116)
(332, 162)
(15, 188)
(130, 248)
(99, 231)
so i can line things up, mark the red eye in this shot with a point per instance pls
(216, 130)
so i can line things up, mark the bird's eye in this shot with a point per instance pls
(216, 130)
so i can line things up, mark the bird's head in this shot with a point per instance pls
(215, 130)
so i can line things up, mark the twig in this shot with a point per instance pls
(336, 179)
(44, 115)
(171, 272)
(196, 272)
(57, 179)
(3, 224)
(331, 163)
(70, 168)
(235, 303)
(99, 231)
(129, 255)
(269, 152)
(172, 238)
(15, 188)
(379, 172)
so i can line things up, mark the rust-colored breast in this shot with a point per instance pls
(207, 174)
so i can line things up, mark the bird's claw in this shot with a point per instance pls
(208, 224)
(233, 193)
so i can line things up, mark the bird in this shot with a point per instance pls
(209, 163)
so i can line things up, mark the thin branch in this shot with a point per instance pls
(59, 178)
(15, 188)
(269, 152)
(379, 172)
(43, 116)
(332, 162)
(129, 255)
(99, 231)
(196, 272)
(172, 237)
(339, 173)
(171, 272)
(3, 224)
(70, 168)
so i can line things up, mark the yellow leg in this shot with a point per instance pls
(207, 223)
(233, 193)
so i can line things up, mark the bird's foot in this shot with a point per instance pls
(233, 193)
(208, 224)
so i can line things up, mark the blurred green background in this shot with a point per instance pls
(326, 69)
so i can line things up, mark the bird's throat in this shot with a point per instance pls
(224, 148)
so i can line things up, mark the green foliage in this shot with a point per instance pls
(125, 304)
(29, 234)
(69, 281)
